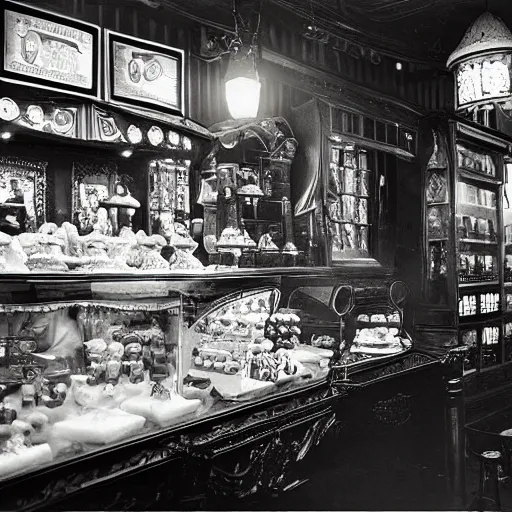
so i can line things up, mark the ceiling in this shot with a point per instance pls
(427, 30)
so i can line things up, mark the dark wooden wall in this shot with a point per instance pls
(416, 83)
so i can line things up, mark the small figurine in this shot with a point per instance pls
(113, 365)
(53, 394)
(103, 224)
(95, 350)
(28, 395)
(160, 392)
(7, 414)
(134, 363)
(266, 243)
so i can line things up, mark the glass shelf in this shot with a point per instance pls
(479, 284)
(482, 242)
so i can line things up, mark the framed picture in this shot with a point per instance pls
(49, 51)
(143, 74)
(92, 184)
(22, 195)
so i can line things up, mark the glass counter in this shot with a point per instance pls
(80, 376)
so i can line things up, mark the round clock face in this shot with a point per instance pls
(174, 138)
(9, 110)
(35, 114)
(134, 134)
(62, 121)
(155, 136)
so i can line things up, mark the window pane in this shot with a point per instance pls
(348, 204)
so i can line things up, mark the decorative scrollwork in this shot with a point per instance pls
(271, 461)
(408, 362)
(395, 411)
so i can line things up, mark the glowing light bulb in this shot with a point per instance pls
(243, 97)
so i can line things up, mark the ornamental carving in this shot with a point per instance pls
(395, 411)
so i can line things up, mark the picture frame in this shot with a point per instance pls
(92, 183)
(23, 192)
(144, 74)
(49, 51)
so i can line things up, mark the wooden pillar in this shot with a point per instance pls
(455, 444)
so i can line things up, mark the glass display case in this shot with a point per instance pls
(78, 376)
(466, 271)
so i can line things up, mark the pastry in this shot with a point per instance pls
(41, 262)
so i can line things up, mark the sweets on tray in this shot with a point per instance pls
(378, 340)
(324, 341)
(390, 318)
(284, 330)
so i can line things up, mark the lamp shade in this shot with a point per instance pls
(243, 97)
(487, 35)
(243, 87)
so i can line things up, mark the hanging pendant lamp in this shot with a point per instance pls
(243, 87)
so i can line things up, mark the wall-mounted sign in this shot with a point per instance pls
(143, 74)
(484, 79)
(48, 50)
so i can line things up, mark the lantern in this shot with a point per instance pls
(482, 63)
(242, 86)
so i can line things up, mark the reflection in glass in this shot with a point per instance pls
(437, 276)
(507, 221)
(347, 203)
(508, 341)
(467, 305)
(438, 222)
(491, 346)
(469, 339)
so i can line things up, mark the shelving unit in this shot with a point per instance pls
(466, 299)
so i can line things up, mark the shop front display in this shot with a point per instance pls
(200, 306)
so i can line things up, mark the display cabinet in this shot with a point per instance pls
(466, 269)
(119, 378)
(345, 184)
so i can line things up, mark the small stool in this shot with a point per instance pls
(489, 491)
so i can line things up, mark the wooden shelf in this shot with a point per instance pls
(352, 194)
(474, 175)
(479, 284)
(492, 208)
(474, 241)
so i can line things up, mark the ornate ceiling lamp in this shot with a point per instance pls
(242, 82)
(482, 64)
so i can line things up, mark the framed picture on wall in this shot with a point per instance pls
(47, 50)
(92, 184)
(144, 74)
(22, 195)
